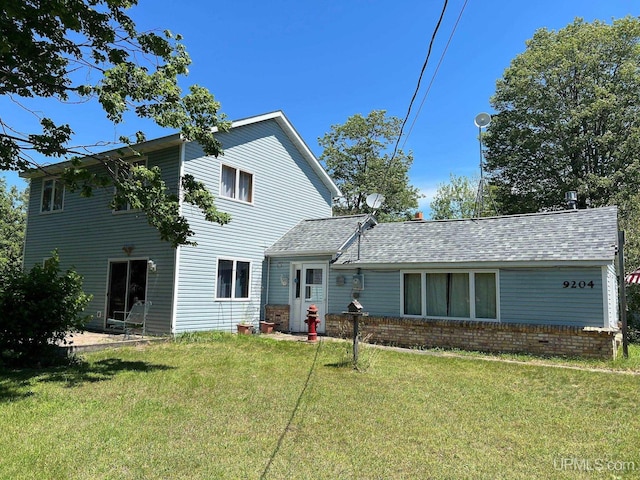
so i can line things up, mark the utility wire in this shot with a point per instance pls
(426, 93)
(415, 93)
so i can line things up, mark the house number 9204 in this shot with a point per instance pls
(575, 284)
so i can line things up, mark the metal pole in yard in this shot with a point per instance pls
(355, 339)
(623, 296)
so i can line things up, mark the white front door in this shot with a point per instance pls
(308, 288)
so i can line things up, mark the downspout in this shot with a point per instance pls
(176, 256)
(266, 295)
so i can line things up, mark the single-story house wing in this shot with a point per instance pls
(542, 283)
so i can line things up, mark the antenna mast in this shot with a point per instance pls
(481, 121)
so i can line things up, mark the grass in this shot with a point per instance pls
(621, 364)
(224, 406)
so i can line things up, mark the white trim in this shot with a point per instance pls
(605, 295)
(298, 142)
(235, 261)
(237, 184)
(176, 255)
(297, 307)
(55, 180)
(471, 265)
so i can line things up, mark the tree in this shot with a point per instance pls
(13, 216)
(53, 50)
(567, 119)
(356, 155)
(459, 199)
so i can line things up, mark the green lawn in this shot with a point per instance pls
(251, 407)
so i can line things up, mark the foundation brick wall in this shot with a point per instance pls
(552, 340)
(278, 314)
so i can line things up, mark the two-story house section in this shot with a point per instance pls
(268, 180)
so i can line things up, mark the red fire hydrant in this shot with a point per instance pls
(312, 321)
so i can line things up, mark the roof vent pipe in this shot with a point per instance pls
(571, 197)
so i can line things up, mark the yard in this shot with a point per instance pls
(223, 406)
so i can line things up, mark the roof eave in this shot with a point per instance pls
(145, 147)
(600, 262)
(306, 253)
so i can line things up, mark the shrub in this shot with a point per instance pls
(37, 310)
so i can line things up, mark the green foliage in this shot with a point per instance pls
(356, 155)
(13, 216)
(567, 119)
(38, 309)
(459, 199)
(81, 50)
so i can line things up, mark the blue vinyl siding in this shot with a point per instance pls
(87, 234)
(537, 296)
(380, 296)
(285, 191)
(526, 295)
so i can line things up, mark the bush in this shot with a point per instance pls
(37, 310)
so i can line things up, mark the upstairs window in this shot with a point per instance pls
(52, 195)
(125, 171)
(236, 184)
(233, 280)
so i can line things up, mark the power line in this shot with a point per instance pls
(434, 74)
(415, 93)
(424, 66)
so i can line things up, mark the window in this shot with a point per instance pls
(52, 195)
(466, 295)
(412, 293)
(125, 171)
(236, 184)
(233, 279)
(448, 295)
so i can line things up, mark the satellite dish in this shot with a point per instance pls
(374, 200)
(482, 120)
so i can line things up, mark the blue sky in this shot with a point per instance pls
(321, 62)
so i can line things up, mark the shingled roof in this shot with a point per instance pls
(553, 238)
(322, 236)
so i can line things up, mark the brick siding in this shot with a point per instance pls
(552, 340)
(278, 314)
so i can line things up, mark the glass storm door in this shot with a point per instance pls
(127, 285)
(313, 292)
